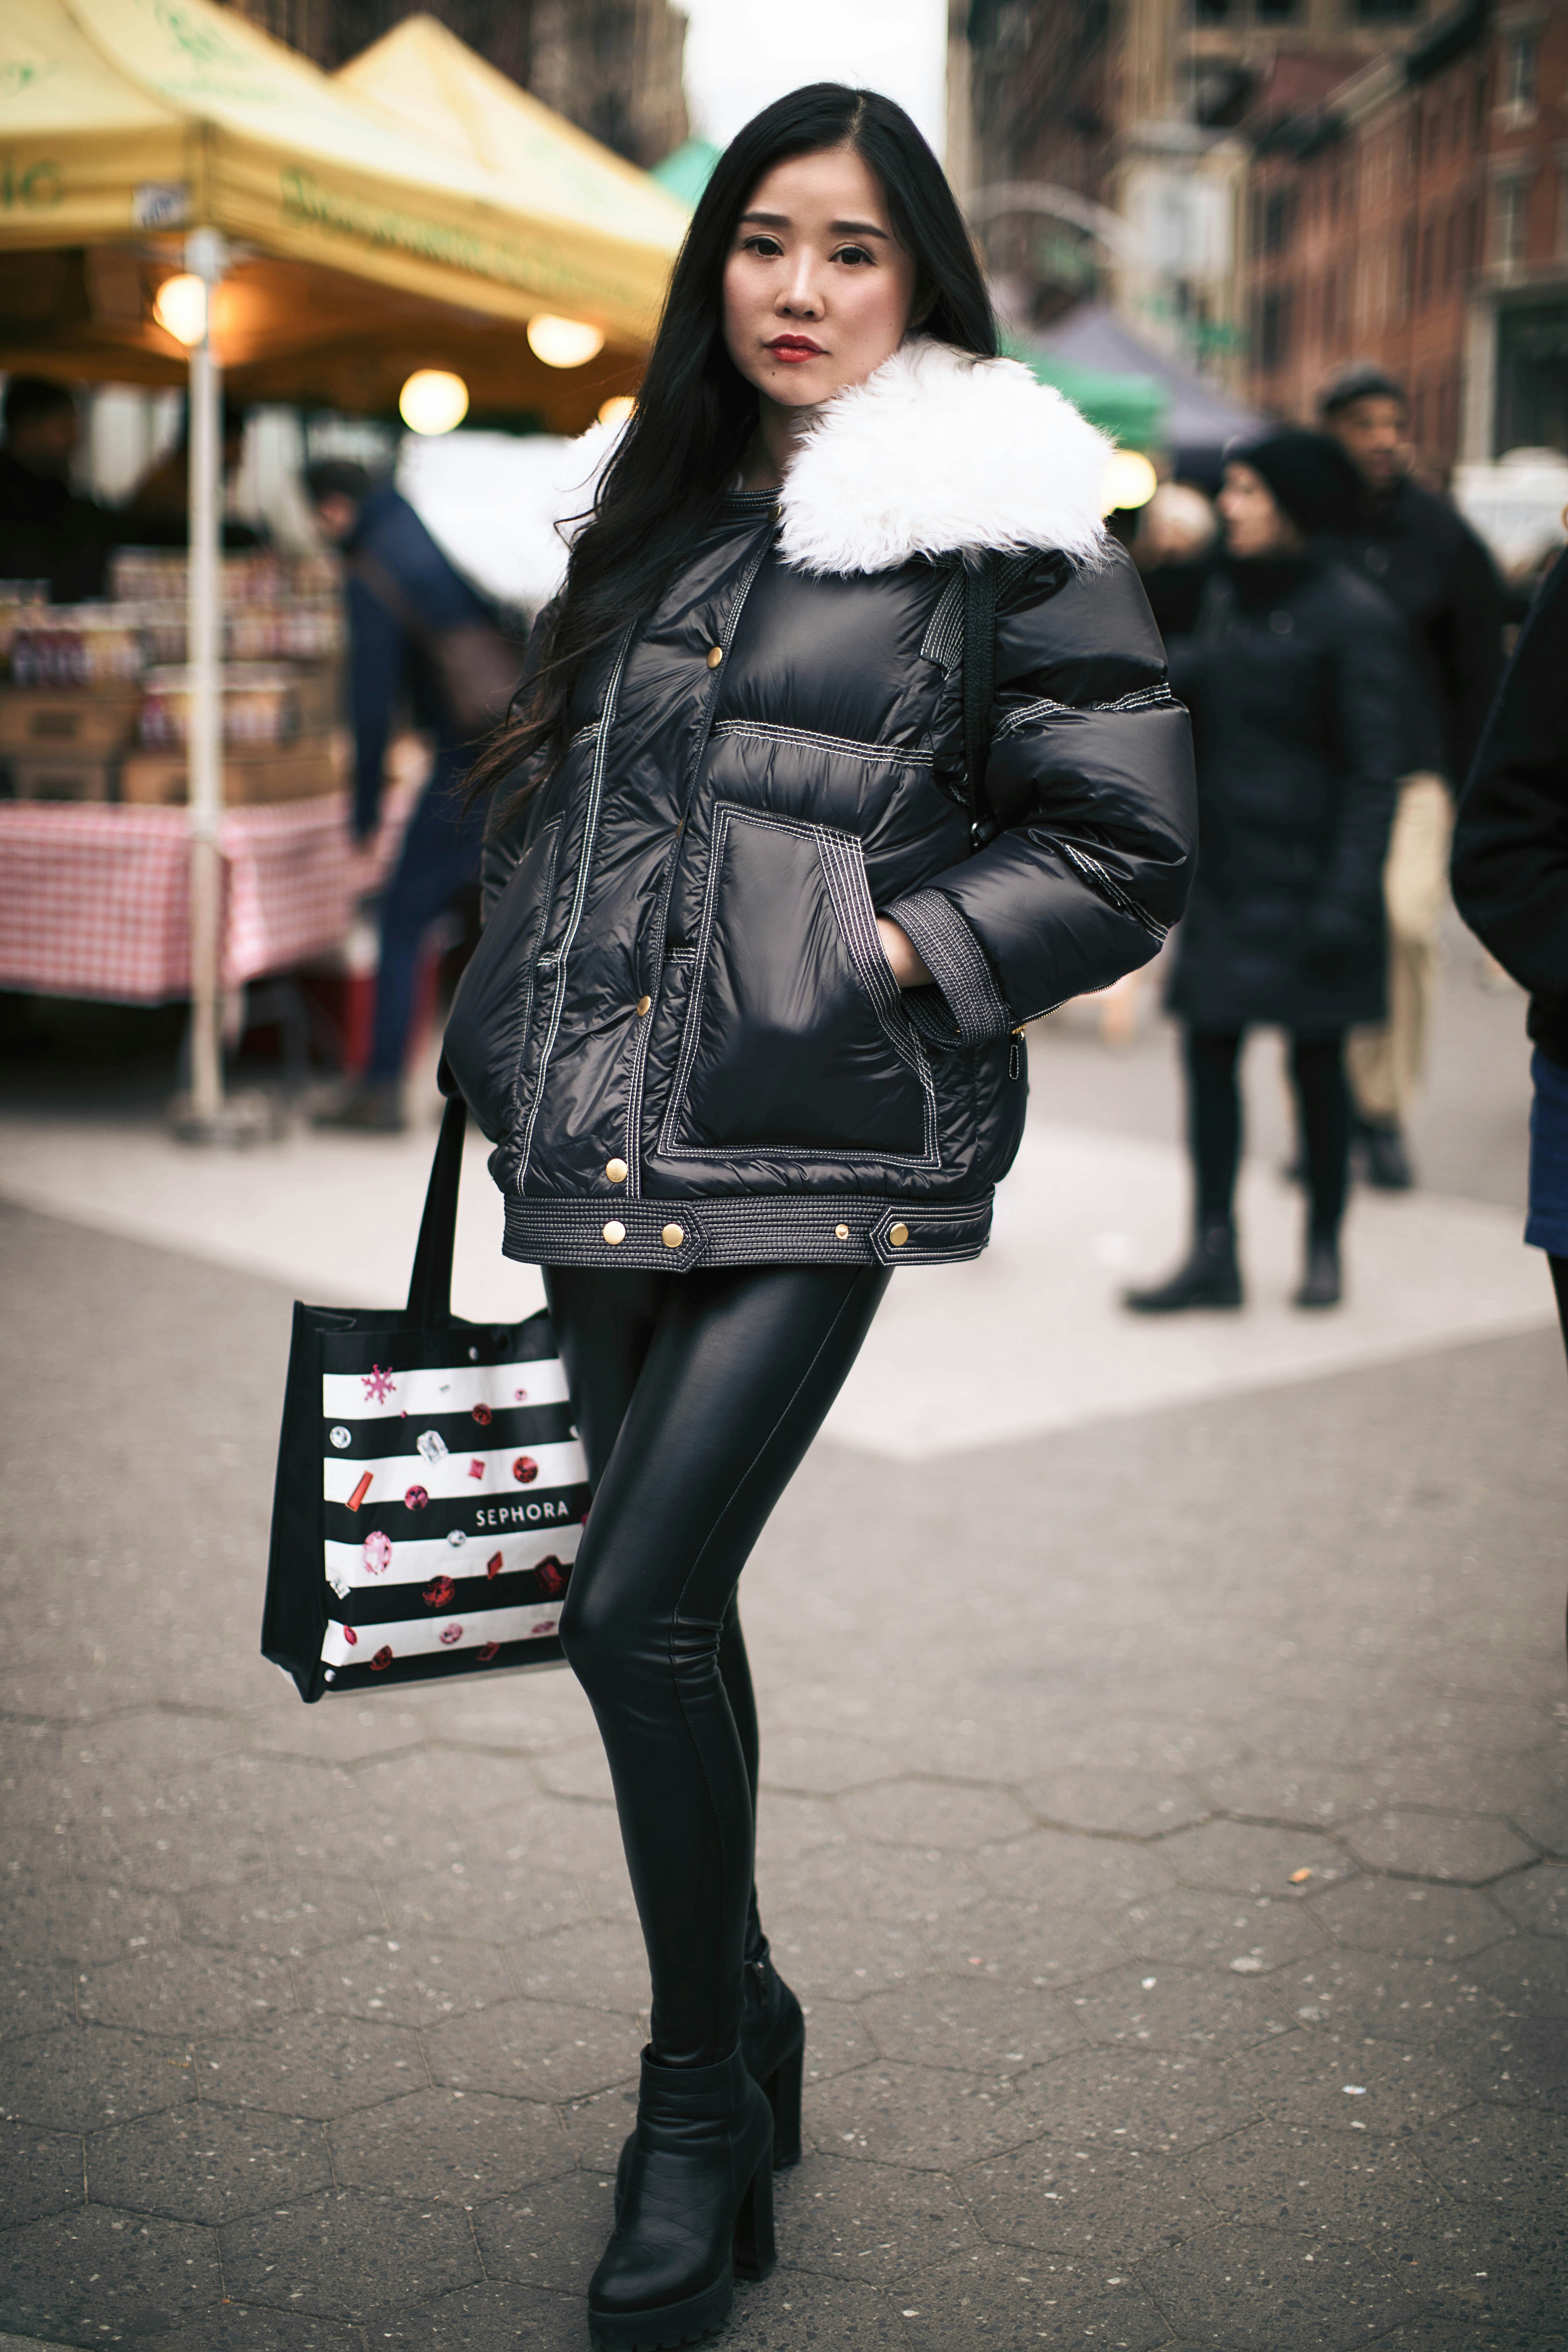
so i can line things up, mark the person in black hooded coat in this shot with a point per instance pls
(1296, 680)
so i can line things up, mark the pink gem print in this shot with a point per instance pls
(486, 1651)
(525, 1469)
(545, 1625)
(483, 1415)
(439, 1594)
(551, 1577)
(378, 1553)
(382, 1660)
(476, 1468)
(451, 1633)
(350, 1637)
(521, 1395)
(415, 1497)
(378, 1385)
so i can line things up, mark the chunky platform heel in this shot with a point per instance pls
(694, 2209)
(773, 2043)
(783, 2090)
(755, 2250)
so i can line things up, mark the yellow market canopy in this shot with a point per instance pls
(363, 247)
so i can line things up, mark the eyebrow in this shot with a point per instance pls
(838, 228)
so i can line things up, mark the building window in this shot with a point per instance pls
(1276, 219)
(1521, 74)
(1511, 222)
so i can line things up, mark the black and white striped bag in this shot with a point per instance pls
(431, 1488)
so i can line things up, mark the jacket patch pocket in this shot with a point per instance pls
(795, 1040)
(486, 1035)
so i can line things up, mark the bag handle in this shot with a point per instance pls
(430, 1285)
(979, 692)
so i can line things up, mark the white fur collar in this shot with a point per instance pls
(938, 453)
(943, 453)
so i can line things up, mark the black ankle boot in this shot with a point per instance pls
(1320, 1284)
(1210, 1277)
(695, 2208)
(773, 2043)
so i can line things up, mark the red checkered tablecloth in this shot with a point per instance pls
(95, 901)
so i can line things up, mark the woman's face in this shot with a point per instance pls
(817, 293)
(1254, 523)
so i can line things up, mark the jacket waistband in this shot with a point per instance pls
(772, 1229)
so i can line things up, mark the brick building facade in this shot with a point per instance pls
(611, 67)
(1418, 216)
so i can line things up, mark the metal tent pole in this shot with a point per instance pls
(203, 1116)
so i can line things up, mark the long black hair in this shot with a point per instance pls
(695, 413)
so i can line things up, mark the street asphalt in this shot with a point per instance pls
(1165, 1825)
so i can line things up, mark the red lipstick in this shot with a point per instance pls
(793, 349)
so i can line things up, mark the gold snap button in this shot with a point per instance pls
(899, 1236)
(715, 655)
(841, 1232)
(644, 1003)
(615, 1233)
(616, 1170)
(673, 1236)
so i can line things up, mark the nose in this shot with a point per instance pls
(801, 298)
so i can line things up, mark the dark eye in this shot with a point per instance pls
(768, 248)
(855, 254)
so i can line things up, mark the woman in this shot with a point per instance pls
(1510, 884)
(1294, 677)
(740, 1021)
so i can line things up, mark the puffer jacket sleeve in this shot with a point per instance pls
(1091, 780)
(1372, 687)
(506, 827)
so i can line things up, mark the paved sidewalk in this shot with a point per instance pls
(1166, 1824)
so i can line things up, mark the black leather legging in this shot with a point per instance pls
(1214, 1115)
(697, 1396)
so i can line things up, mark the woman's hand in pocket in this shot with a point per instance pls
(900, 950)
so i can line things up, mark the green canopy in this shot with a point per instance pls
(1130, 408)
(688, 171)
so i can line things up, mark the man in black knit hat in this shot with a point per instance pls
(1426, 558)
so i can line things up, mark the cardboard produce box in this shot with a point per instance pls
(300, 771)
(48, 720)
(63, 776)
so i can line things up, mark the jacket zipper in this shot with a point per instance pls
(557, 964)
(662, 922)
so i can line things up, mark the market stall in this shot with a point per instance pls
(186, 200)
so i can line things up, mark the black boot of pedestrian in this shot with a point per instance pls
(1322, 1284)
(1210, 1277)
(1384, 1155)
(773, 2043)
(696, 2209)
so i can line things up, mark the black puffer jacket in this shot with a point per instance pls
(1296, 678)
(680, 1027)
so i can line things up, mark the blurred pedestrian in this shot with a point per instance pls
(1414, 544)
(1175, 550)
(1511, 885)
(402, 597)
(1294, 677)
(740, 1021)
(158, 512)
(47, 531)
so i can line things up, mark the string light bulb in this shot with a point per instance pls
(616, 409)
(433, 401)
(563, 342)
(1128, 480)
(180, 307)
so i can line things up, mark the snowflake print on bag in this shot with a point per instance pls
(378, 1385)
